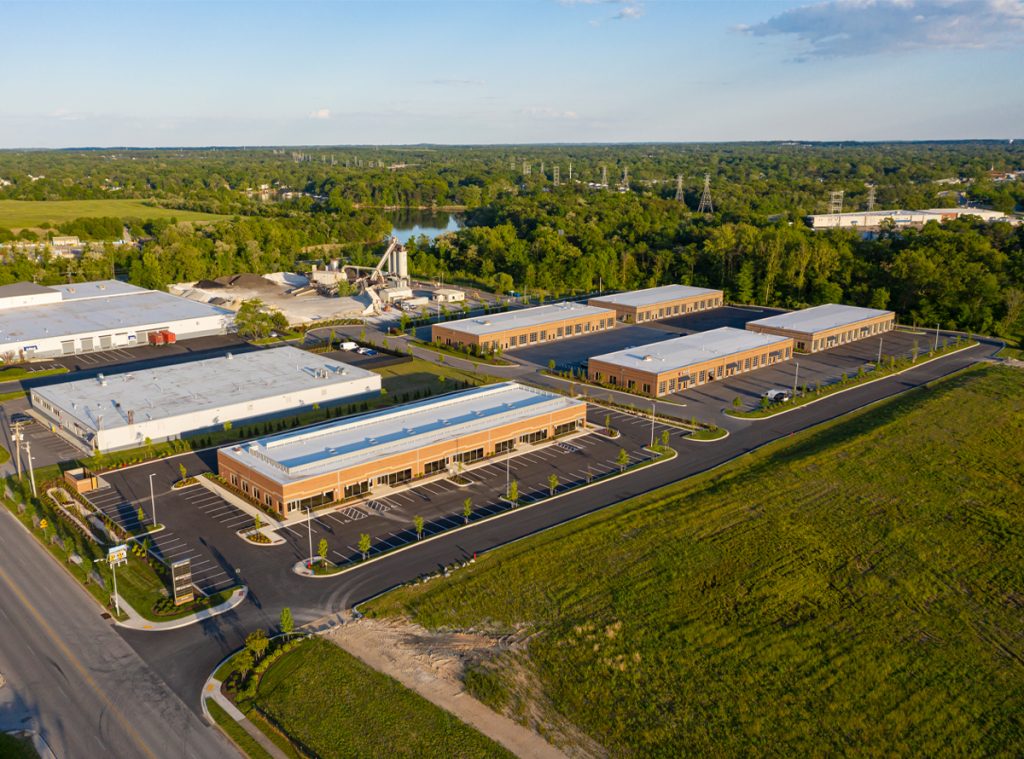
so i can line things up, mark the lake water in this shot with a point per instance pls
(408, 223)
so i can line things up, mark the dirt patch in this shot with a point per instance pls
(432, 663)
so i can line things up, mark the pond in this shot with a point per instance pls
(411, 222)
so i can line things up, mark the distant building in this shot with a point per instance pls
(527, 326)
(449, 295)
(117, 411)
(823, 327)
(67, 241)
(654, 303)
(672, 366)
(62, 320)
(872, 220)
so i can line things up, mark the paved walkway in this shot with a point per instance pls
(212, 690)
(136, 621)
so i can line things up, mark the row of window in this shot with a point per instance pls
(684, 380)
(676, 309)
(848, 336)
(546, 335)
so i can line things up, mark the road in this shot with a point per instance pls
(72, 679)
(185, 657)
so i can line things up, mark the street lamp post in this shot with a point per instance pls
(653, 405)
(936, 338)
(152, 498)
(879, 362)
(113, 568)
(309, 523)
(796, 377)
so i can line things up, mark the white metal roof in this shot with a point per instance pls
(654, 295)
(345, 443)
(103, 288)
(87, 314)
(180, 389)
(819, 318)
(681, 352)
(527, 317)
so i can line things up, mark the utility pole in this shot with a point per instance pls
(16, 430)
(152, 498)
(31, 472)
(796, 377)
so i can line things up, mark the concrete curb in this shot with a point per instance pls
(848, 389)
(136, 621)
(491, 518)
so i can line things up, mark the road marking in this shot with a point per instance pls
(82, 671)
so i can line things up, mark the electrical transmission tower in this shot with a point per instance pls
(835, 202)
(604, 176)
(705, 205)
(871, 198)
(679, 187)
(555, 176)
(526, 169)
(570, 172)
(625, 177)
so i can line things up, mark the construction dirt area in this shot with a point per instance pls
(288, 293)
(432, 664)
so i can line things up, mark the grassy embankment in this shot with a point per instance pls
(18, 372)
(402, 382)
(19, 214)
(334, 705)
(853, 588)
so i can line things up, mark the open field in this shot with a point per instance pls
(337, 706)
(17, 214)
(819, 597)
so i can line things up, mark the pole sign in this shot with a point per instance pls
(181, 581)
(117, 555)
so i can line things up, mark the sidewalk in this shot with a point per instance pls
(212, 691)
(136, 621)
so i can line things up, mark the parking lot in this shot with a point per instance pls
(185, 350)
(47, 447)
(389, 519)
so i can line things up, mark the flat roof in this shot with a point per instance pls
(818, 318)
(681, 352)
(23, 288)
(525, 317)
(98, 289)
(88, 315)
(345, 443)
(171, 391)
(654, 295)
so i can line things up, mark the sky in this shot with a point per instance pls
(181, 73)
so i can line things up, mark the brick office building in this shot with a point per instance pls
(684, 362)
(378, 451)
(823, 327)
(654, 303)
(528, 326)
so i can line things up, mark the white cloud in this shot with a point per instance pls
(458, 82)
(864, 27)
(320, 113)
(536, 112)
(627, 9)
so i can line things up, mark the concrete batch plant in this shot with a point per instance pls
(527, 326)
(62, 320)
(117, 411)
(639, 306)
(674, 365)
(350, 458)
(823, 327)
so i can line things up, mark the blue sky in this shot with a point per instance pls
(492, 71)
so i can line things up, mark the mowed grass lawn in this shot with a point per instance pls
(336, 706)
(17, 214)
(858, 589)
(420, 376)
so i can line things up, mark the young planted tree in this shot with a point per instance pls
(608, 422)
(321, 550)
(184, 472)
(552, 483)
(287, 622)
(664, 438)
(551, 365)
(417, 523)
(513, 492)
(258, 521)
(364, 545)
(256, 643)
(623, 459)
(737, 402)
(467, 510)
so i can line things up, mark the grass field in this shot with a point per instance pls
(856, 589)
(17, 214)
(236, 732)
(336, 706)
(419, 376)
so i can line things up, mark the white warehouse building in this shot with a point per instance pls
(117, 411)
(63, 320)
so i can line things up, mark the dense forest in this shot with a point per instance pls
(525, 232)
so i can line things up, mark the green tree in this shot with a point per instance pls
(321, 550)
(227, 426)
(551, 365)
(244, 663)
(623, 459)
(467, 510)
(664, 438)
(287, 622)
(142, 517)
(417, 523)
(258, 521)
(256, 643)
(513, 492)
(552, 483)
(737, 402)
(183, 471)
(255, 320)
(364, 545)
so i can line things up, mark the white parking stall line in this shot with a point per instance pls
(236, 521)
(200, 563)
(206, 501)
(215, 510)
(293, 532)
(187, 551)
(402, 497)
